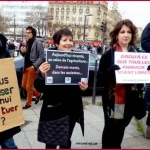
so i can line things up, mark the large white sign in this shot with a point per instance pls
(11, 113)
(133, 67)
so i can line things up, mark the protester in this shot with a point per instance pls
(145, 43)
(33, 53)
(118, 96)
(62, 104)
(11, 47)
(6, 137)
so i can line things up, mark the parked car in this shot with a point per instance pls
(19, 65)
(93, 67)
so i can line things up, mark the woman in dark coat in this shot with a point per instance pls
(62, 105)
(122, 97)
(145, 43)
(6, 137)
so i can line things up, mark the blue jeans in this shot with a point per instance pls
(9, 143)
(147, 95)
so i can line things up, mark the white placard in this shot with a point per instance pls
(133, 67)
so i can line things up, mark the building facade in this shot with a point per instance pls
(83, 18)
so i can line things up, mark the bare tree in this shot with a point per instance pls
(37, 18)
(3, 23)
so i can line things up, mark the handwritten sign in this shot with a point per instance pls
(67, 67)
(11, 113)
(133, 67)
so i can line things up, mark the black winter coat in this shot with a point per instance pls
(108, 79)
(145, 38)
(10, 132)
(66, 97)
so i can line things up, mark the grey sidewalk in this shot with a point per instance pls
(94, 123)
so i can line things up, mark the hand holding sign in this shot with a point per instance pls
(44, 67)
(83, 85)
(114, 67)
(148, 68)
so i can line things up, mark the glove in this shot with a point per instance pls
(148, 68)
(114, 67)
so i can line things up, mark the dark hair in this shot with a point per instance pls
(3, 40)
(33, 30)
(58, 35)
(117, 29)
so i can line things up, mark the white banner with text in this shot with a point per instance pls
(133, 67)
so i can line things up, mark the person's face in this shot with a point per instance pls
(29, 34)
(124, 35)
(65, 44)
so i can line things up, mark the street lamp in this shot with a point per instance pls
(22, 31)
(14, 27)
(84, 25)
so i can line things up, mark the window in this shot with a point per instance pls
(51, 9)
(67, 23)
(87, 9)
(67, 17)
(79, 31)
(73, 23)
(80, 18)
(62, 8)
(57, 9)
(73, 31)
(80, 9)
(62, 15)
(57, 14)
(67, 9)
(73, 18)
(98, 11)
(74, 8)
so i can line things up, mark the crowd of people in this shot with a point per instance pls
(57, 116)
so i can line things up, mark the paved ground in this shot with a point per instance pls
(94, 123)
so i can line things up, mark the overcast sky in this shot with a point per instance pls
(137, 11)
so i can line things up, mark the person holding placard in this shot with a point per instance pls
(6, 137)
(119, 100)
(62, 104)
(145, 43)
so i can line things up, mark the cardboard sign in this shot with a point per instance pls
(133, 67)
(11, 113)
(67, 67)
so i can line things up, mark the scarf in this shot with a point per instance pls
(120, 94)
(29, 45)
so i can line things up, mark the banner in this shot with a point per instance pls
(133, 67)
(67, 67)
(11, 113)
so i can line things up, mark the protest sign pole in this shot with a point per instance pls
(94, 84)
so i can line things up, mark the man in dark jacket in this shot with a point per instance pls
(6, 137)
(145, 43)
(33, 53)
